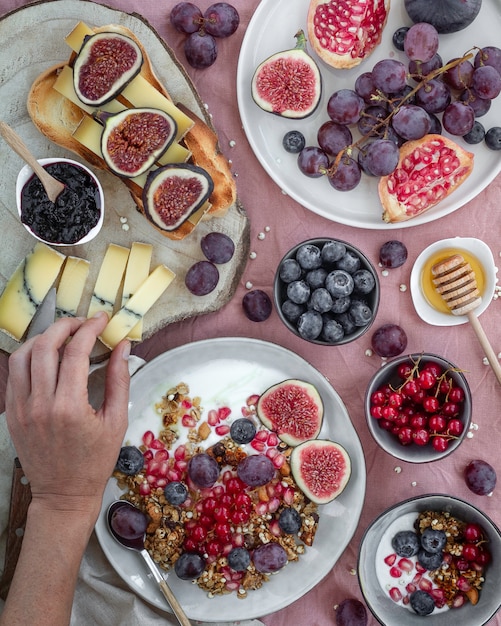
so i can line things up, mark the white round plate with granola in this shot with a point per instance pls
(218, 377)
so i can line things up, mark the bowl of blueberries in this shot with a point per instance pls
(326, 291)
(433, 556)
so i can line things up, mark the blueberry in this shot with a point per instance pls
(289, 270)
(292, 311)
(308, 256)
(476, 134)
(493, 138)
(321, 300)
(239, 559)
(309, 325)
(399, 37)
(289, 521)
(433, 540)
(242, 430)
(339, 283)
(346, 322)
(298, 291)
(175, 492)
(130, 460)
(422, 602)
(293, 141)
(430, 561)
(316, 278)
(406, 543)
(364, 281)
(360, 313)
(350, 262)
(332, 251)
(341, 304)
(332, 331)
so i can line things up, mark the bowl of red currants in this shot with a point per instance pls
(433, 556)
(326, 291)
(418, 407)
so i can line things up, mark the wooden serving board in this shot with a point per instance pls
(26, 53)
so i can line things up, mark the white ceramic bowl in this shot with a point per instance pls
(389, 613)
(24, 176)
(475, 247)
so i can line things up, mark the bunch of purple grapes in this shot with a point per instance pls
(397, 102)
(219, 20)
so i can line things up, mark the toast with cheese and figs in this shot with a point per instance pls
(56, 111)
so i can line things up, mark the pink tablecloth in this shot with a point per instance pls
(348, 368)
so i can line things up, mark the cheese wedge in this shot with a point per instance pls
(71, 286)
(138, 269)
(109, 280)
(27, 287)
(137, 306)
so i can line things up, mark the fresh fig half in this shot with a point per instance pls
(448, 16)
(134, 139)
(321, 469)
(104, 66)
(293, 409)
(288, 83)
(173, 192)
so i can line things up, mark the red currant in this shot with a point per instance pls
(421, 437)
(378, 398)
(456, 394)
(417, 421)
(473, 533)
(376, 412)
(426, 379)
(470, 552)
(405, 436)
(410, 389)
(455, 427)
(431, 404)
(440, 444)
(450, 409)
(395, 399)
(434, 368)
(437, 423)
(385, 424)
(484, 558)
(404, 370)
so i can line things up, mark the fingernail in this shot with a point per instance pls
(126, 351)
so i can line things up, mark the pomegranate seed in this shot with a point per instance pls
(271, 453)
(151, 479)
(144, 489)
(238, 540)
(273, 504)
(439, 597)
(406, 565)
(232, 586)
(261, 508)
(289, 495)
(186, 404)
(258, 445)
(420, 568)
(156, 444)
(246, 412)
(161, 482)
(148, 438)
(406, 600)
(463, 584)
(218, 491)
(188, 421)
(458, 601)
(212, 417)
(222, 430)
(261, 435)
(252, 400)
(390, 559)
(395, 594)
(227, 548)
(223, 412)
(278, 461)
(417, 578)
(173, 476)
(148, 455)
(410, 588)
(275, 528)
(395, 572)
(273, 440)
(161, 455)
(180, 466)
(425, 584)
(180, 453)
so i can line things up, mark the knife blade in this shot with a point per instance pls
(44, 315)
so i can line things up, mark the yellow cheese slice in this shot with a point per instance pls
(71, 286)
(108, 280)
(27, 287)
(138, 269)
(137, 306)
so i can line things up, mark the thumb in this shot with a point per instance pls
(117, 383)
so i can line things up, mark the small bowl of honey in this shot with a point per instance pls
(429, 304)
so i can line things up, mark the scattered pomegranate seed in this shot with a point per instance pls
(395, 594)
(260, 446)
(222, 430)
(390, 559)
(186, 404)
(406, 565)
(261, 435)
(425, 584)
(223, 412)
(458, 601)
(212, 417)
(188, 421)
(410, 588)
(252, 400)
(148, 438)
(395, 572)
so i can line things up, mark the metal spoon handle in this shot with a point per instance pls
(166, 590)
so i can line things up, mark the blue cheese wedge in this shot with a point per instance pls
(109, 280)
(138, 269)
(27, 287)
(71, 286)
(137, 306)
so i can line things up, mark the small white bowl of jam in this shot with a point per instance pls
(428, 303)
(78, 213)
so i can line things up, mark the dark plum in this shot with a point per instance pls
(257, 305)
(351, 612)
(480, 477)
(217, 247)
(269, 558)
(128, 522)
(200, 50)
(186, 17)
(256, 470)
(202, 278)
(389, 340)
(221, 19)
(393, 254)
(203, 470)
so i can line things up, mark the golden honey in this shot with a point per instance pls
(428, 288)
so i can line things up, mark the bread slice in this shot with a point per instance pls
(57, 118)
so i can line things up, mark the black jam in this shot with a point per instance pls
(75, 212)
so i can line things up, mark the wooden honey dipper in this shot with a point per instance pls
(455, 281)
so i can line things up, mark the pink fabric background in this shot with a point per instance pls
(348, 368)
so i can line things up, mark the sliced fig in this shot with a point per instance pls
(105, 65)
(429, 169)
(448, 16)
(134, 139)
(321, 469)
(173, 192)
(288, 83)
(293, 409)
(345, 32)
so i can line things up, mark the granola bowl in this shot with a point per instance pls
(474, 600)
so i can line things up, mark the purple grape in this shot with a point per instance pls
(189, 566)
(333, 138)
(436, 124)
(458, 118)
(365, 87)
(257, 305)
(389, 75)
(217, 247)
(419, 70)
(389, 340)
(346, 175)
(392, 254)
(459, 77)
(221, 19)
(269, 558)
(345, 106)
(313, 161)
(421, 42)
(370, 122)
(256, 470)
(128, 522)
(381, 157)
(411, 122)
(186, 17)
(480, 477)
(434, 96)
(402, 97)
(200, 50)
(351, 612)
(203, 470)
(479, 105)
(490, 55)
(486, 82)
(202, 278)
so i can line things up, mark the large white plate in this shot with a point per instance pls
(272, 29)
(227, 371)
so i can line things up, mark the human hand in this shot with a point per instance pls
(67, 449)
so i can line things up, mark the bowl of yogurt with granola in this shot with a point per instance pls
(434, 557)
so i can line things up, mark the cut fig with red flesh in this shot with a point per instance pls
(174, 192)
(288, 83)
(293, 409)
(429, 169)
(345, 32)
(321, 469)
(447, 16)
(134, 139)
(104, 66)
